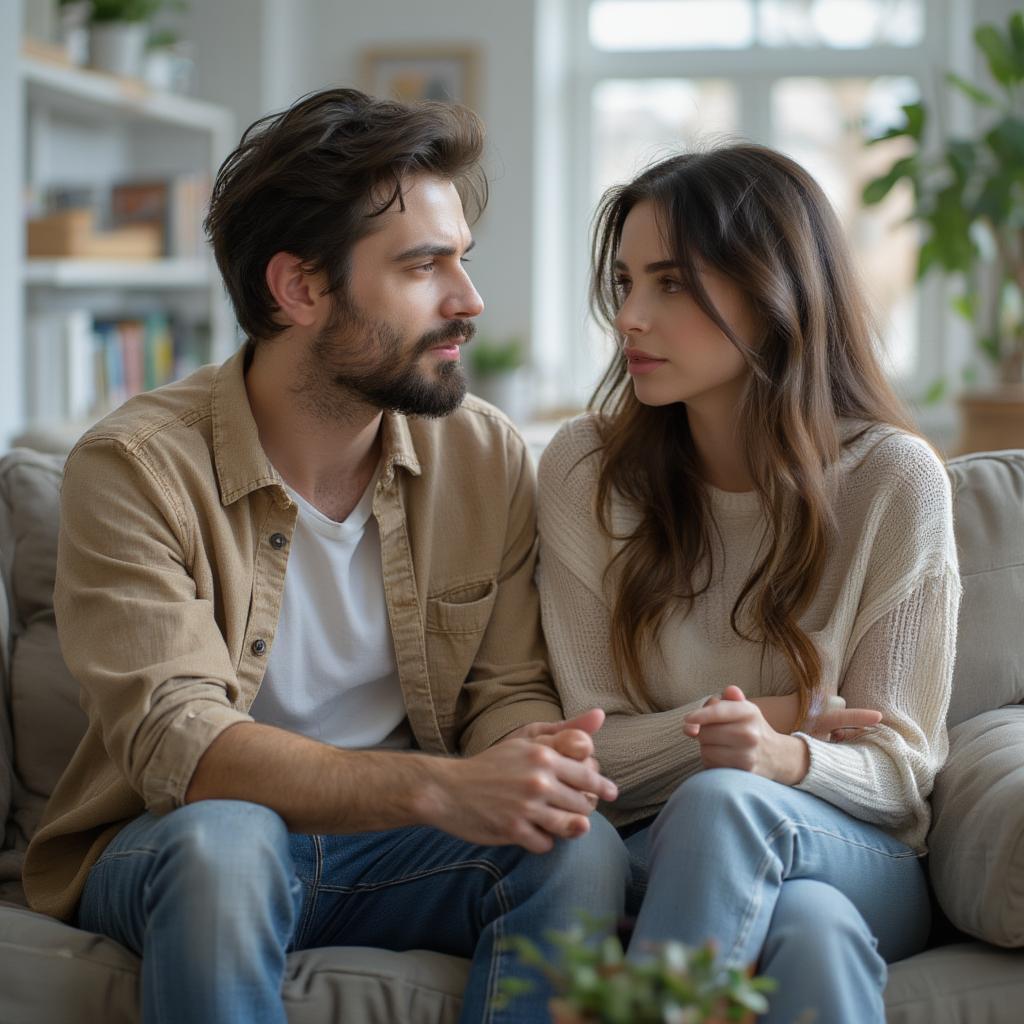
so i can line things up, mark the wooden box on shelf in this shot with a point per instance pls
(73, 234)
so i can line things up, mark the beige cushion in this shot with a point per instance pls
(52, 973)
(41, 697)
(988, 508)
(977, 837)
(968, 983)
(90, 978)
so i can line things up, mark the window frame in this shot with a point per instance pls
(568, 373)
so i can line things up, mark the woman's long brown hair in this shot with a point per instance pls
(760, 219)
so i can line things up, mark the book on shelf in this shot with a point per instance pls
(81, 367)
(176, 206)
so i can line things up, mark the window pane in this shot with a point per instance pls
(841, 24)
(636, 121)
(671, 24)
(822, 122)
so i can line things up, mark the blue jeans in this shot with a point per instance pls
(214, 895)
(819, 900)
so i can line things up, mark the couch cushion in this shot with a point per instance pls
(988, 507)
(91, 978)
(967, 983)
(977, 839)
(41, 698)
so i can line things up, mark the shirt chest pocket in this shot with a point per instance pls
(455, 621)
(462, 611)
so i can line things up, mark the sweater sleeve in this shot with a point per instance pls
(645, 754)
(902, 667)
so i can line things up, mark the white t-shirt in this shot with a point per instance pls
(332, 673)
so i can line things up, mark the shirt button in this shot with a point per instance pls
(259, 646)
(278, 540)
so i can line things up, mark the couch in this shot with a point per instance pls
(973, 973)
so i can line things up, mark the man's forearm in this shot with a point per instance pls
(314, 787)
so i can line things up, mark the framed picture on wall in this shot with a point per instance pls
(449, 74)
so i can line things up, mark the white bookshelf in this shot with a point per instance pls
(121, 274)
(79, 128)
(91, 94)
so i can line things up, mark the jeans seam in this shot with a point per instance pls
(314, 889)
(756, 898)
(762, 870)
(373, 886)
(853, 842)
(496, 950)
(120, 854)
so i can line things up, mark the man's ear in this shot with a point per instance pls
(296, 292)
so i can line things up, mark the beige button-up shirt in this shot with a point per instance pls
(174, 540)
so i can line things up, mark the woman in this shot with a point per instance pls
(744, 532)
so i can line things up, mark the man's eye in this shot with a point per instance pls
(465, 259)
(425, 266)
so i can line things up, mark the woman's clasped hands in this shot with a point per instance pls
(753, 734)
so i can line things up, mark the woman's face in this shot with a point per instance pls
(675, 352)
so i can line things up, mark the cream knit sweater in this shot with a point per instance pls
(883, 620)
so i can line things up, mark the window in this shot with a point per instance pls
(810, 77)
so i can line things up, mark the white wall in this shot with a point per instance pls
(258, 56)
(11, 227)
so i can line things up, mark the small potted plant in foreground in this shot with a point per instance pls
(594, 983)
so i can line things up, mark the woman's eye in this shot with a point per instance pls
(621, 285)
(671, 285)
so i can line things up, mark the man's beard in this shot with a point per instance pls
(356, 357)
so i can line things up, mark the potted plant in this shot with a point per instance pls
(494, 367)
(119, 28)
(594, 983)
(969, 197)
(167, 64)
(73, 29)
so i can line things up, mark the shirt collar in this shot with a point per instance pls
(397, 447)
(241, 463)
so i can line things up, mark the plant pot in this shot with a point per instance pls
(118, 47)
(73, 31)
(505, 390)
(992, 420)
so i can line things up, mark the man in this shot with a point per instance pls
(287, 584)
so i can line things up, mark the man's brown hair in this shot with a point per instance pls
(310, 181)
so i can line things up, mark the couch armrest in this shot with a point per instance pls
(977, 836)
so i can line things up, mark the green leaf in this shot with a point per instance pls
(990, 346)
(913, 126)
(1006, 140)
(927, 257)
(1016, 28)
(953, 247)
(964, 305)
(969, 375)
(998, 54)
(962, 156)
(915, 119)
(996, 199)
(970, 90)
(875, 191)
(936, 391)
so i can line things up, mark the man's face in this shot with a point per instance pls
(394, 339)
